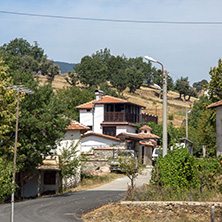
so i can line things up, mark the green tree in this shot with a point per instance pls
(182, 86)
(176, 170)
(41, 125)
(130, 166)
(200, 85)
(91, 71)
(6, 185)
(134, 78)
(107, 90)
(22, 57)
(8, 102)
(191, 92)
(70, 162)
(118, 79)
(215, 84)
(70, 97)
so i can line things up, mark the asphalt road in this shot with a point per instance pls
(71, 206)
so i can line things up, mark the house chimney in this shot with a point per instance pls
(99, 95)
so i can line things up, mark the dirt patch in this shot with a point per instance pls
(116, 212)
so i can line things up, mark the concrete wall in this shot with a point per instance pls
(219, 130)
(125, 129)
(85, 117)
(95, 141)
(71, 138)
(98, 118)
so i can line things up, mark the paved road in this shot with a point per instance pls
(68, 207)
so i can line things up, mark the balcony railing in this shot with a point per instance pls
(129, 117)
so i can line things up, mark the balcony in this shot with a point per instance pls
(129, 117)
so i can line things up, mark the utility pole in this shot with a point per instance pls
(164, 76)
(186, 124)
(19, 89)
(164, 113)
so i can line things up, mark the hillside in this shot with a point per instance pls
(64, 66)
(146, 96)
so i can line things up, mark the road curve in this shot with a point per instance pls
(70, 206)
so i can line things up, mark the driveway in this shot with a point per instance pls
(71, 206)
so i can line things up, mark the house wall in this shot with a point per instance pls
(219, 130)
(147, 155)
(98, 118)
(85, 117)
(95, 141)
(31, 187)
(125, 129)
(71, 137)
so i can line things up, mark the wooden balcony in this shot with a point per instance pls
(129, 117)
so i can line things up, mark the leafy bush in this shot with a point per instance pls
(178, 169)
(171, 117)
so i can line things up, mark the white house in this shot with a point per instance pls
(46, 179)
(109, 116)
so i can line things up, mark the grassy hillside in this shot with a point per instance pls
(146, 96)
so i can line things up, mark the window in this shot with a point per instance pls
(119, 108)
(109, 108)
(50, 177)
(111, 130)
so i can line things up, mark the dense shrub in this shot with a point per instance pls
(178, 169)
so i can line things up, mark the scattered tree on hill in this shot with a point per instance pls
(191, 92)
(134, 78)
(91, 71)
(21, 56)
(182, 86)
(117, 66)
(200, 85)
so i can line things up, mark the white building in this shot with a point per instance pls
(108, 117)
(46, 179)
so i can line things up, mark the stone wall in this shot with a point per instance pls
(98, 160)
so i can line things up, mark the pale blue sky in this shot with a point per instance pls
(185, 50)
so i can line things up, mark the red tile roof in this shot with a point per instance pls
(146, 144)
(74, 125)
(149, 135)
(140, 136)
(100, 135)
(145, 127)
(214, 105)
(105, 99)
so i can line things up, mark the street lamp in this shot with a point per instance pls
(164, 75)
(19, 89)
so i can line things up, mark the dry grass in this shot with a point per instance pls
(115, 212)
(145, 96)
(149, 98)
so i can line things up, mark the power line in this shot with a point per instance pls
(115, 20)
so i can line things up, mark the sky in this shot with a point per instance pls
(185, 50)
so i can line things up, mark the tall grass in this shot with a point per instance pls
(154, 193)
